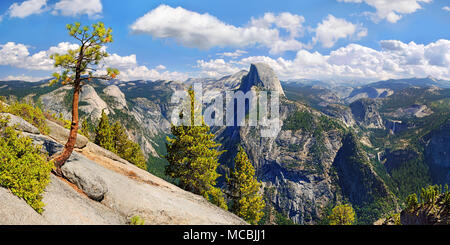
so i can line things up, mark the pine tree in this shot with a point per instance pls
(246, 202)
(120, 138)
(77, 67)
(136, 157)
(193, 159)
(85, 129)
(342, 215)
(103, 134)
(126, 148)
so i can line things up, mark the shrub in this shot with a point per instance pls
(137, 220)
(23, 168)
(30, 114)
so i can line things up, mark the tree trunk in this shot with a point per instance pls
(70, 145)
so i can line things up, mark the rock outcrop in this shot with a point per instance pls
(262, 76)
(437, 153)
(61, 134)
(365, 112)
(92, 104)
(119, 101)
(294, 174)
(100, 190)
(19, 123)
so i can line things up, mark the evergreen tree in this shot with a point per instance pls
(103, 134)
(193, 159)
(85, 129)
(126, 148)
(115, 139)
(246, 202)
(77, 68)
(120, 138)
(136, 156)
(342, 215)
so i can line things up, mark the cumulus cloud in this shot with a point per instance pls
(446, 8)
(216, 68)
(354, 62)
(27, 8)
(331, 29)
(120, 62)
(18, 55)
(92, 8)
(205, 31)
(144, 73)
(392, 11)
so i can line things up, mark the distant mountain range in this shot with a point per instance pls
(369, 145)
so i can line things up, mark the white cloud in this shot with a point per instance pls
(160, 67)
(205, 31)
(234, 54)
(216, 68)
(27, 8)
(331, 29)
(446, 8)
(92, 8)
(18, 55)
(290, 22)
(120, 62)
(356, 63)
(392, 11)
(143, 73)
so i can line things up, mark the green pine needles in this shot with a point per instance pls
(193, 159)
(246, 201)
(114, 138)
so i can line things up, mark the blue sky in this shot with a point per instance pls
(335, 40)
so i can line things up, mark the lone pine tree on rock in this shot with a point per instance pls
(79, 66)
(246, 201)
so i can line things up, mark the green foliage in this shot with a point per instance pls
(30, 114)
(137, 220)
(364, 189)
(394, 218)
(114, 138)
(193, 159)
(342, 215)
(77, 64)
(23, 168)
(305, 121)
(411, 202)
(299, 120)
(103, 133)
(411, 176)
(86, 129)
(246, 202)
(429, 195)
